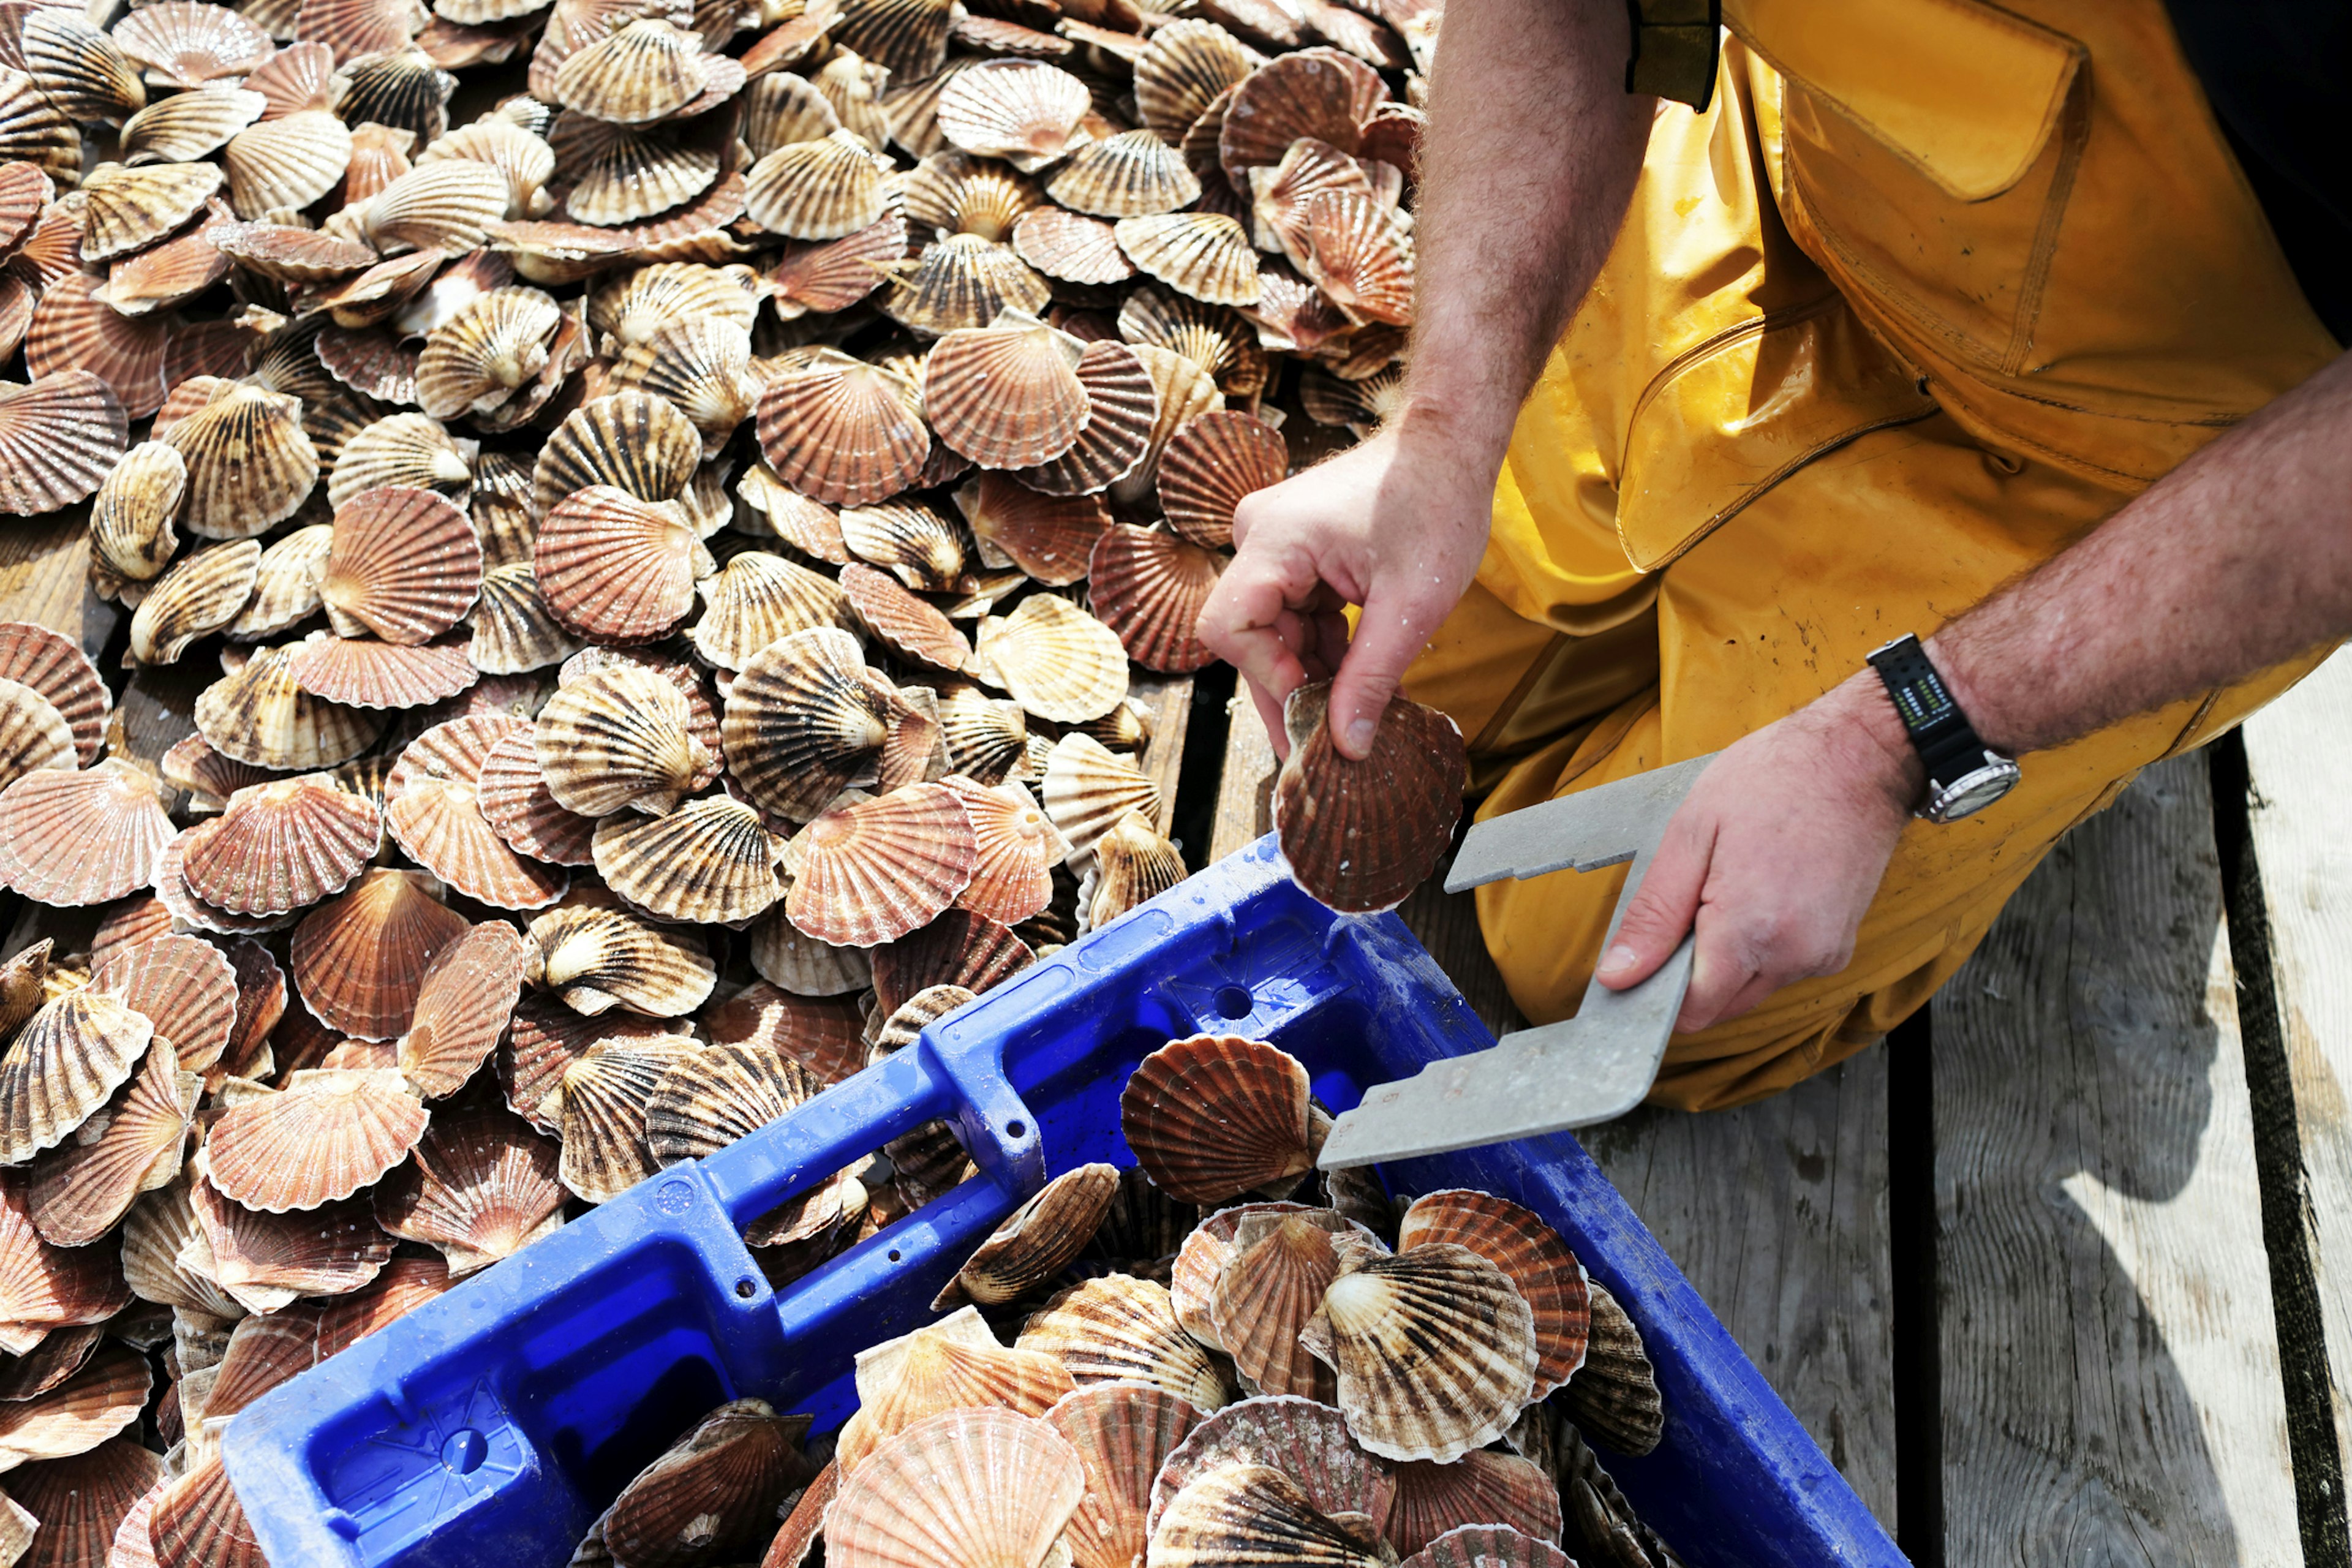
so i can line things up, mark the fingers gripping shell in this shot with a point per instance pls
(618, 737)
(462, 1006)
(87, 838)
(1360, 836)
(404, 564)
(1215, 1116)
(1251, 1513)
(970, 1486)
(283, 846)
(329, 1133)
(1118, 1328)
(62, 1067)
(1515, 1240)
(1037, 1241)
(1123, 1433)
(1210, 465)
(1303, 1439)
(805, 719)
(359, 960)
(1149, 588)
(873, 871)
(1434, 1351)
(1008, 396)
(709, 862)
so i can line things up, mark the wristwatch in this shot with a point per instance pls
(1964, 775)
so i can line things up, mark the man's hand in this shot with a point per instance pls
(1775, 854)
(1397, 525)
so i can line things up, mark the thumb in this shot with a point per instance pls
(1390, 635)
(1662, 908)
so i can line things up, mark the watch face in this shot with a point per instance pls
(1971, 792)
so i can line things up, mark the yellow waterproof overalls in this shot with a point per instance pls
(1930, 289)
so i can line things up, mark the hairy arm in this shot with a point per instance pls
(1531, 153)
(2240, 559)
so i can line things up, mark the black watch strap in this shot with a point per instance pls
(1947, 742)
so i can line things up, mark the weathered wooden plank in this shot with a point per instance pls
(1245, 783)
(1169, 699)
(1776, 1213)
(2111, 1388)
(44, 578)
(2297, 753)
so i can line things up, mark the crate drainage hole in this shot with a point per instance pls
(1016, 1129)
(1236, 1002)
(746, 1288)
(894, 1255)
(465, 1451)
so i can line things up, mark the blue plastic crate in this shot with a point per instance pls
(490, 1427)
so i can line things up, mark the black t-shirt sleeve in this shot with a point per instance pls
(1675, 46)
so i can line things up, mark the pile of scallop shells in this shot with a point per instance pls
(1219, 1357)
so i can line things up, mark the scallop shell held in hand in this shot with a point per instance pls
(1360, 836)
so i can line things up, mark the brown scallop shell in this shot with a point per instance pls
(462, 1007)
(1215, 1116)
(155, 1234)
(59, 438)
(1024, 111)
(359, 960)
(513, 795)
(1036, 1241)
(1488, 1546)
(42, 1287)
(1360, 836)
(181, 985)
(1269, 1287)
(197, 594)
(433, 809)
(914, 540)
(186, 44)
(545, 1038)
(404, 564)
(95, 1403)
(801, 966)
(282, 845)
(128, 209)
(968, 1486)
(826, 189)
(1359, 255)
(1149, 588)
(210, 778)
(1217, 337)
(33, 733)
(62, 1067)
(955, 193)
(1317, 92)
(1118, 1328)
(1210, 465)
(284, 165)
(709, 862)
(168, 274)
(907, 36)
(604, 1109)
(1250, 1513)
(987, 738)
(261, 715)
(189, 126)
(955, 1363)
(447, 206)
(88, 837)
(1496, 1489)
(250, 464)
(964, 280)
(1293, 316)
(597, 960)
(1185, 66)
(613, 566)
(360, 672)
(873, 871)
(514, 631)
(756, 599)
(1434, 1349)
(265, 1261)
(632, 441)
(132, 518)
(643, 70)
(702, 367)
(1206, 256)
(820, 1034)
(1527, 1249)
(481, 1186)
(709, 1099)
(832, 275)
(329, 1133)
(1068, 246)
(843, 431)
(632, 307)
(805, 719)
(405, 450)
(1057, 661)
(618, 737)
(83, 1187)
(1087, 789)
(779, 108)
(71, 329)
(476, 360)
(889, 1034)
(907, 625)
(1614, 1395)
(1016, 847)
(714, 1494)
(36, 130)
(1007, 396)
(1132, 863)
(1279, 194)
(1301, 1438)
(1133, 174)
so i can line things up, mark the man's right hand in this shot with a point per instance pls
(1396, 525)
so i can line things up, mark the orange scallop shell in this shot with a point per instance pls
(611, 565)
(1359, 256)
(87, 838)
(1016, 847)
(182, 986)
(1522, 1245)
(462, 1007)
(265, 1261)
(960, 948)
(1215, 1116)
(832, 275)
(1300, 1438)
(1478, 1489)
(1317, 92)
(1006, 396)
(59, 438)
(843, 431)
(820, 1034)
(481, 1185)
(328, 1134)
(873, 871)
(1209, 464)
(1360, 836)
(89, 1503)
(44, 1286)
(969, 1485)
(545, 1038)
(433, 807)
(1269, 1287)
(954, 1363)
(359, 959)
(1050, 537)
(907, 625)
(360, 672)
(282, 846)
(1149, 588)
(82, 1187)
(1070, 247)
(404, 565)
(73, 330)
(55, 666)
(1122, 411)
(513, 795)
(1488, 1546)
(1123, 1434)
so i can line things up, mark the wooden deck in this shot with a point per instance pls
(2055, 1275)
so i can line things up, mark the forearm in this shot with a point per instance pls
(1530, 157)
(2238, 560)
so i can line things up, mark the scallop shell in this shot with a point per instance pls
(59, 438)
(73, 330)
(24, 193)
(873, 871)
(184, 987)
(189, 126)
(1035, 1243)
(1204, 254)
(1315, 92)
(462, 1007)
(327, 1135)
(756, 599)
(1488, 1546)
(410, 451)
(36, 130)
(969, 1485)
(843, 431)
(33, 733)
(364, 673)
(168, 274)
(400, 92)
(1057, 661)
(95, 1403)
(632, 441)
(17, 302)
(514, 797)
(1016, 845)
(915, 541)
(83, 1187)
(714, 1494)
(618, 737)
(1007, 396)
(597, 960)
(1268, 1288)
(359, 960)
(1121, 1328)
(86, 1503)
(645, 70)
(1279, 194)
(803, 1526)
(371, 361)
(702, 367)
(801, 966)
(431, 805)
(611, 565)
(525, 160)
(905, 624)
(779, 108)
(1087, 789)
(44, 1286)
(955, 193)
(1615, 1393)
(546, 1038)
(987, 738)
(1132, 863)
(909, 37)
(1124, 411)
(630, 308)
(475, 362)
(480, 1186)
(87, 838)
(826, 189)
(1434, 1349)
(1025, 112)
(261, 715)
(820, 1034)
(284, 165)
(1123, 1433)
(1217, 337)
(1184, 69)
(283, 845)
(62, 1067)
(188, 44)
(709, 1099)
(709, 862)
(1149, 588)
(403, 564)
(513, 630)
(1294, 316)
(1210, 465)
(963, 282)
(1409, 791)
(200, 593)
(955, 1363)
(832, 275)
(1299, 1437)
(264, 1260)
(448, 206)
(1066, 245)
(960, 950)
(1496, 1489)
(604, 1098)
(379, 153)
(1252, 1513)
(129, 209)
(1215, 1116)
(1527, 1249)
(1133, 174)
(619, 175)
(157, 1230)
(805, 720)
(888, 1035)
(1359, 255)
(249, 463)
